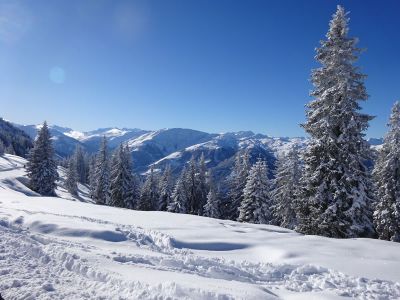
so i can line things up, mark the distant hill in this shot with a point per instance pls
(14, 140)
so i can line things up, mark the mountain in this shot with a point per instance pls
(64, 145)
(115, 137)
(175, 146)
(13, 139)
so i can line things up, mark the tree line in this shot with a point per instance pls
(327, 189)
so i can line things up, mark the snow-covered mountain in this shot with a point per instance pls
(175, 146)
(55, 248)
(64, 145)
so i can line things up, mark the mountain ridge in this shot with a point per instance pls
(174, 146)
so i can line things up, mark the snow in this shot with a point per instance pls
(54, 248)
(75, 135)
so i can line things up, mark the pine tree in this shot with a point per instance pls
(387, 177)
(10, 149)
(41, 167)
(2, 148)
(101, 176)
(286, 189)
(237, 183)
(179, 199)
(80, 163)
(122, 184)
(336, 198)
(202, 186)
(191, 185)
(72, 177)
(149, 195)
(165, 188)
(256, 204)
(211, 208)
(92, 174)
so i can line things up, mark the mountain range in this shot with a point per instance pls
(174, 146)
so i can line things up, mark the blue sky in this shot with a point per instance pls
(212, 65)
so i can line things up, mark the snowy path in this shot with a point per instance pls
(95, 258)
(51, 248)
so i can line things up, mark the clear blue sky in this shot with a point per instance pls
(212, 65)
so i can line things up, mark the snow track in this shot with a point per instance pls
(49, 268)
(47, 271)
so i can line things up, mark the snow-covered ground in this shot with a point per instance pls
(53, 248)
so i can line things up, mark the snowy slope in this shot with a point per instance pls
(52, 248)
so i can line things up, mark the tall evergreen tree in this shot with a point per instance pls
(72, 177)
(212, 206)
(101, 176)
(10, 150)
(286, 189)
(179, 199)
(387, 176)
(2, 147)
(165, 188)
(256, 204)
(92, 174)
(336, 196)
(149, 195)
(41, 167)
(202, 185)
(80, 163)
(191, 185)
(237, 183)
(122, 184)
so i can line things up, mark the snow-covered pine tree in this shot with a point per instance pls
(92, 174)
(122, 185)
(212, 206)
(256, 204)
(337, 196)
(387, 178)
(202, 186)
(101, 178)
(10, 149)
(149, 195)
(132, 182)
(41, 166)
(237, 183)
(286, 189)
(191, 185)
(2, 147)
(165, 188)
(179, 199)
(80, 163)
(71, 182)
